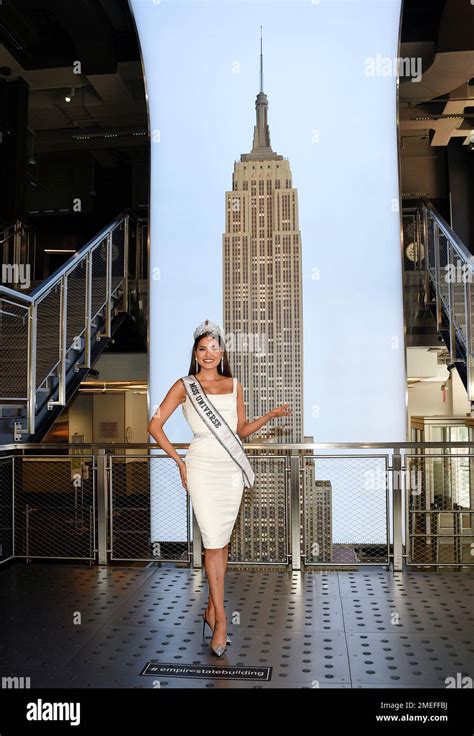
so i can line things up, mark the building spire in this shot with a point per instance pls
(261, 148)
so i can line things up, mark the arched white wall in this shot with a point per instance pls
(337, 125)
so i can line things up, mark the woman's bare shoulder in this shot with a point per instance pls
(178, 390)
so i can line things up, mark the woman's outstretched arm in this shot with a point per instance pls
(244, 428)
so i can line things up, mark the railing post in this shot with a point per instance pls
(88, 312)
(102, 505)
(32, 315)
(417, 228)
(426, 246)
(452, 328)
(439, 317)
(295, 516)
(62, 347)
(468, 338)
(397, 516)
(108, 288)
(126, 245)
(62, 368)
(197, 543)
(457, 528)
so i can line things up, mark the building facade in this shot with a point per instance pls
(263, 323)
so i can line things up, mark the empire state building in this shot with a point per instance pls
(262, 282)
(263, 316)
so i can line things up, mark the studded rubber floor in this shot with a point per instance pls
(86, 627)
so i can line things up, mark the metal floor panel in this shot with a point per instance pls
(266, 612)
(44, 647)
(381, 582)
(298, 658)
(360, 629)
(416, 616)
(409, 659)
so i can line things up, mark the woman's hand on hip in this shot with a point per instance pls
(183, 474)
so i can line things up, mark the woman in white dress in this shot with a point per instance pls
(209, 474)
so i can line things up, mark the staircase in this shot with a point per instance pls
(448, 280)
(51, 335)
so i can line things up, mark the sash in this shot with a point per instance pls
(219, 427)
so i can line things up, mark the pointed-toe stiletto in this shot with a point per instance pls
(204, 622)
(218, 651)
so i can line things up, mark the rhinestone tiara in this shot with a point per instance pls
(207, 326)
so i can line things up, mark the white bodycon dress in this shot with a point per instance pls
(215, 481)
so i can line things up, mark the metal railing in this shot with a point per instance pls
(141, 248)
(449, 269)
(316, 505)
(44, 332)
(439, 507)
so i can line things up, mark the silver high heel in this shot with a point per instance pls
(217, 651)
(204, 622)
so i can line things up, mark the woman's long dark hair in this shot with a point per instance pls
(226, 371)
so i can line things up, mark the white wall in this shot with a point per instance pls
(426, 398)
(337, 125)
(122, 367)
(128, 408)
